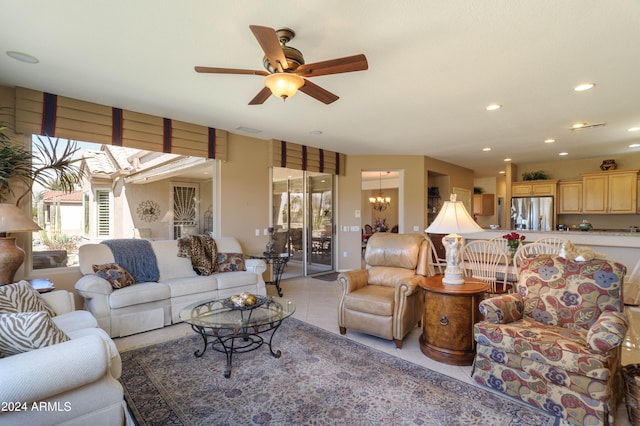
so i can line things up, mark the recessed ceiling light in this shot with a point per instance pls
(502, 172)
(493, 107)
(507, 159)
(579, 126)
(248, 129)
(22, 57)
(563, 153)
(634, 145)
(584, 86)
(316, 132)
(633, 129)
(486, 149)
(549, 140)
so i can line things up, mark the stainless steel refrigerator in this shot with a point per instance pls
(532, 213)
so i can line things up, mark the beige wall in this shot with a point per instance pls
(571, 169)
(410, 213)
(244, 192)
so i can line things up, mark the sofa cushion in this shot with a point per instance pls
(230, 262)
(561, 292)
(170, 265)
(21, 297)
(26, 331)
(192, 285)
(236, 279)
(372, 299)
(139, 293)
(117, 276)
(75, 320)
(93, 254)
(388, 275)
(562, 348)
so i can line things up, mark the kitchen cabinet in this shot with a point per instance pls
(610, 192)
(483, 204)
(538, 188)
(570, 197)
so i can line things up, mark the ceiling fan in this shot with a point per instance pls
(286, 71)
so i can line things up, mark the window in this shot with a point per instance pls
(122, 190)
(103, 213)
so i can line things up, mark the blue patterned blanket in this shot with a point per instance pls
(137, 257)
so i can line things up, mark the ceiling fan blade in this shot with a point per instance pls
(334, 66)
(318, 92)
(262, 96)
(268, 40)
(213, 70)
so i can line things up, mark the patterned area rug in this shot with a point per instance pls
(320, 379)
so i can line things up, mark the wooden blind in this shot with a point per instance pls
(302, 157)
(58, 116)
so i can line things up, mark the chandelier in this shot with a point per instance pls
(380, 203)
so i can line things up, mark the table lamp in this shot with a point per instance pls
(453, 219)
(12, 219)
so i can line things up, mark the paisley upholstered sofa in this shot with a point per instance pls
(156, 302)
(556, 343)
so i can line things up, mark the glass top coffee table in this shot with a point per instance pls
(230, 329)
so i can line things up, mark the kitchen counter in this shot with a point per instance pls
(617, 244)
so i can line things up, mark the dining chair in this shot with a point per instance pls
(557, 242)
(531, 250)
(487, 261)
(502, 242)
(436, 264)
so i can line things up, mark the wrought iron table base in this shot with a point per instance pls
(249, 339)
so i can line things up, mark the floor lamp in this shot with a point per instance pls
(453, 219)
(12, 220)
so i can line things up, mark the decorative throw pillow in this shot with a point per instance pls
(117, 276)
(230, 262)
(22, 297)
(26, 331)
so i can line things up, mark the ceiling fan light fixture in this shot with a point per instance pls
(283, 85)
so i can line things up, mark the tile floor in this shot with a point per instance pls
(316, 303)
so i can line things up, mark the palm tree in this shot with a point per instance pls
(49, 162)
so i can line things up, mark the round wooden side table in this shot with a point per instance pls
(450, 311)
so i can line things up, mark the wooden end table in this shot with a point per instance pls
(450, 311)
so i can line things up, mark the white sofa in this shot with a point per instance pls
(150, 305)
(74, 382)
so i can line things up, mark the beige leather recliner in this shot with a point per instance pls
(385, 299)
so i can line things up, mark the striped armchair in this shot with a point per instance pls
(556, 342)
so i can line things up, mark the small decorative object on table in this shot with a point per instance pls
(270, 249)
(244, 301)
(513, 242)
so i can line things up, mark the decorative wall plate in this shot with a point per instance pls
(149, 211)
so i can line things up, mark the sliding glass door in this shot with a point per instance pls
(303, 219)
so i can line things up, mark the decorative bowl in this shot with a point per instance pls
(584, 226)
(260, 300)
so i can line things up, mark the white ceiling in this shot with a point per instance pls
(433, 67)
